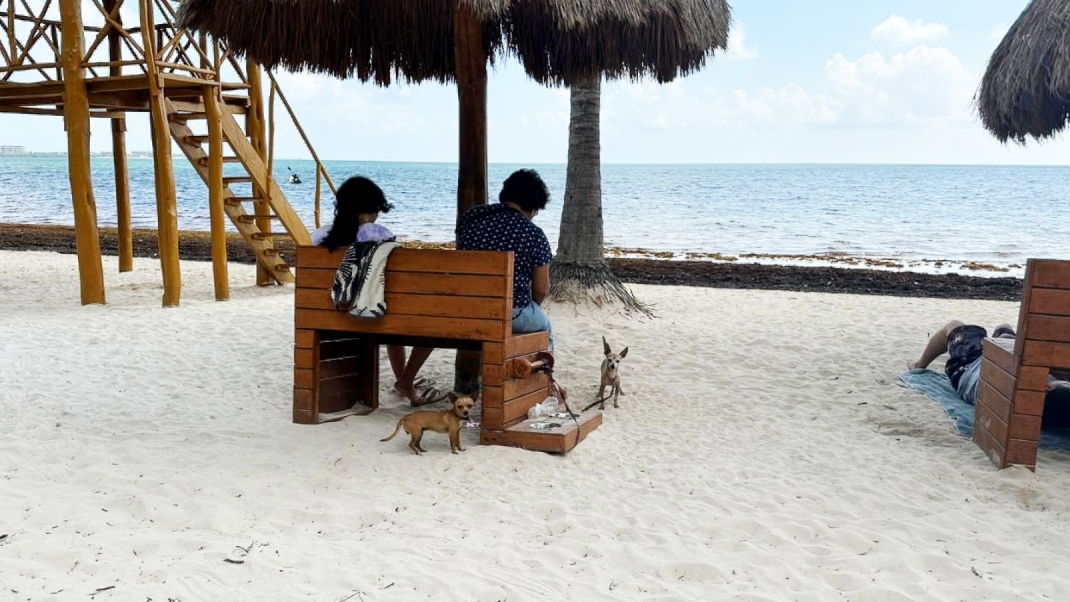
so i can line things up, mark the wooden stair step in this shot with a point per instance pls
(203, 161)
(253, 217)
(236, 201)
(184, 117)
(282, 267)
(238, 180)
(267, 235)
(195, 140)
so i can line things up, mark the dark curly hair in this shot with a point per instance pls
(355, 196)
(526, 190)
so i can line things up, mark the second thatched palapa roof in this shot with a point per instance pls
(1026, 88)
(558, 41)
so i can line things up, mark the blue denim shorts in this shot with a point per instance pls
(532, 318)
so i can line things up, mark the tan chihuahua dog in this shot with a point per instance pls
(611, 374)
(442, 421)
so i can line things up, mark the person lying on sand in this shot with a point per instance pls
(962, 342)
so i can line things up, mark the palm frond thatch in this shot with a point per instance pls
(1025, 91)
(558, 41)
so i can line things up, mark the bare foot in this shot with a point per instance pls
(915, 366)
(409, 393)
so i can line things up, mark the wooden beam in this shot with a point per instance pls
(472, 105)
(471, 63)
(215, 193)
(256, 130)
(166, 204)
(118, 149)
(76, 114)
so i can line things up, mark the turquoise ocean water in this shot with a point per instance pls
(931, 218)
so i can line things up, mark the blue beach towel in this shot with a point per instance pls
(936, 386)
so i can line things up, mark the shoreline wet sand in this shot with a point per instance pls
(196, 246)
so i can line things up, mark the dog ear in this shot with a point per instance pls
(606, 345)
(624, 353)
(452, 396)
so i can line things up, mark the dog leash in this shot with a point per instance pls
(597, 401)
(548, 367)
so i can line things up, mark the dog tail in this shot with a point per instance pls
(394, 434)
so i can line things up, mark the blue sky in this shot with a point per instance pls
(832, 81)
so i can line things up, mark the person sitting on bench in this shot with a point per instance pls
(963, 343)
(357, 205)
(507, 226)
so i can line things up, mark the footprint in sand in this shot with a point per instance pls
(691, 572)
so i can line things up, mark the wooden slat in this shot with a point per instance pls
(999, 353)
(492, 397)
(420, 326)
(304, 358)
(516, 409)
(414, 305)
(992, 448)
(415, 282)
(417, 260)
(526, 344)
(997, 378)
(517, 388)
(492, 374)
(1048, 328)
(491, 418)
(985, 418)
(304, 378)
(304, 338)
(1051, 273)
(1053, 302)
(304, 417)
(994, 401)
(302, 399)
(1024, 427)
(369, 385)
(1033, 378)
(339, 394)
(339, 367)
(1022, 453)
(1051, 355)
(493, 353)
(335, 349)
(1029, 402)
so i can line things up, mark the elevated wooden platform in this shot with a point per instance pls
(114, 94)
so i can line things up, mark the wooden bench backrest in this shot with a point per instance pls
(1044, 320)
(429, 293)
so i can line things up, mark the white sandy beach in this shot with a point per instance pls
(764, 452)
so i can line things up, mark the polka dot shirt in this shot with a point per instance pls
(499, 227)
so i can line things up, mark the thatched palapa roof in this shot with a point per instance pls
(1026, 88)
(558, 41)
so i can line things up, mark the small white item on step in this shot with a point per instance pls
(544, 409)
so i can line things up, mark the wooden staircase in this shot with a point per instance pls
(271, 217)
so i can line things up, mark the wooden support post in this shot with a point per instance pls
(472, 159)
(76, 116)
(166, 204)
(213, 109)
(254, 127)
(118, 149)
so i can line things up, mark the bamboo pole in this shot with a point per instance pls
(166, 204)
(319, 177)
(76, 114)
(471, 63)
(254, 126)
(118, 150)
(215, 193)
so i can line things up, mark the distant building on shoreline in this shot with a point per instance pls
(13, 150)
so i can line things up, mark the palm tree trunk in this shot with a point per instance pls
(579, 272)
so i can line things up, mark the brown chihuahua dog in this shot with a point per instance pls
(611, 374)
(442, 421)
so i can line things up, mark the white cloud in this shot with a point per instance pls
(922, 84)
(898, 30)
(737, 44)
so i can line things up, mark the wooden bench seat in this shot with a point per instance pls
(434, 298)
(1014, 373)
